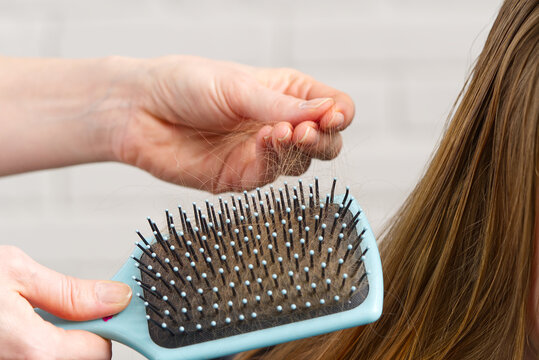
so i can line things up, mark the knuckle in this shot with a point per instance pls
(288, 71)
(70, 293)
(293, 73)
(298, 78)
(14, 260)
(9, 252)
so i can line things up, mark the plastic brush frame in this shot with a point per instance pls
(130, 327)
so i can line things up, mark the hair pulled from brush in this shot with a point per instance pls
(291, 159)
(457, 256)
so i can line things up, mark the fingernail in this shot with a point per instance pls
(314, 103)
(302, 140)
(112, 292)
(337, 120)
(284, 136)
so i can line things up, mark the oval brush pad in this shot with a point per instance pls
(260, 269)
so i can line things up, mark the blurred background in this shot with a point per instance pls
(402, 61)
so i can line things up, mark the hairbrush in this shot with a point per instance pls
(258, 270)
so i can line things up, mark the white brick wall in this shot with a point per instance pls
(402, 61)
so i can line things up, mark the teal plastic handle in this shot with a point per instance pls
(130, 327)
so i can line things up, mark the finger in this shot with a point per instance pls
(31, 337)
(312, 142)
(257, 102)
(333, 120)
(290, 161)
(68, 297)
(300, 85)
(340, 115)
(75, 344)
(281, 136)
(305, 134)
(276, 154)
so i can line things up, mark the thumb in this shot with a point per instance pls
(71, 298)
(269, 106)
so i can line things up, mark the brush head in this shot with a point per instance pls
(260, 260)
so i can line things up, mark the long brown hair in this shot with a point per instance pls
(457, 255)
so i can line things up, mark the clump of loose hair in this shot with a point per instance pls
(457, 256)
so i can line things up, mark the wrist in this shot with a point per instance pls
(60, 112)
(121, 85)
(139, 91)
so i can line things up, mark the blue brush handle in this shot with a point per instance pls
(130, 327)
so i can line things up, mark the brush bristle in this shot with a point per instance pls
(261, 260)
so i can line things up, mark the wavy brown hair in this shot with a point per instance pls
(457, 256)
